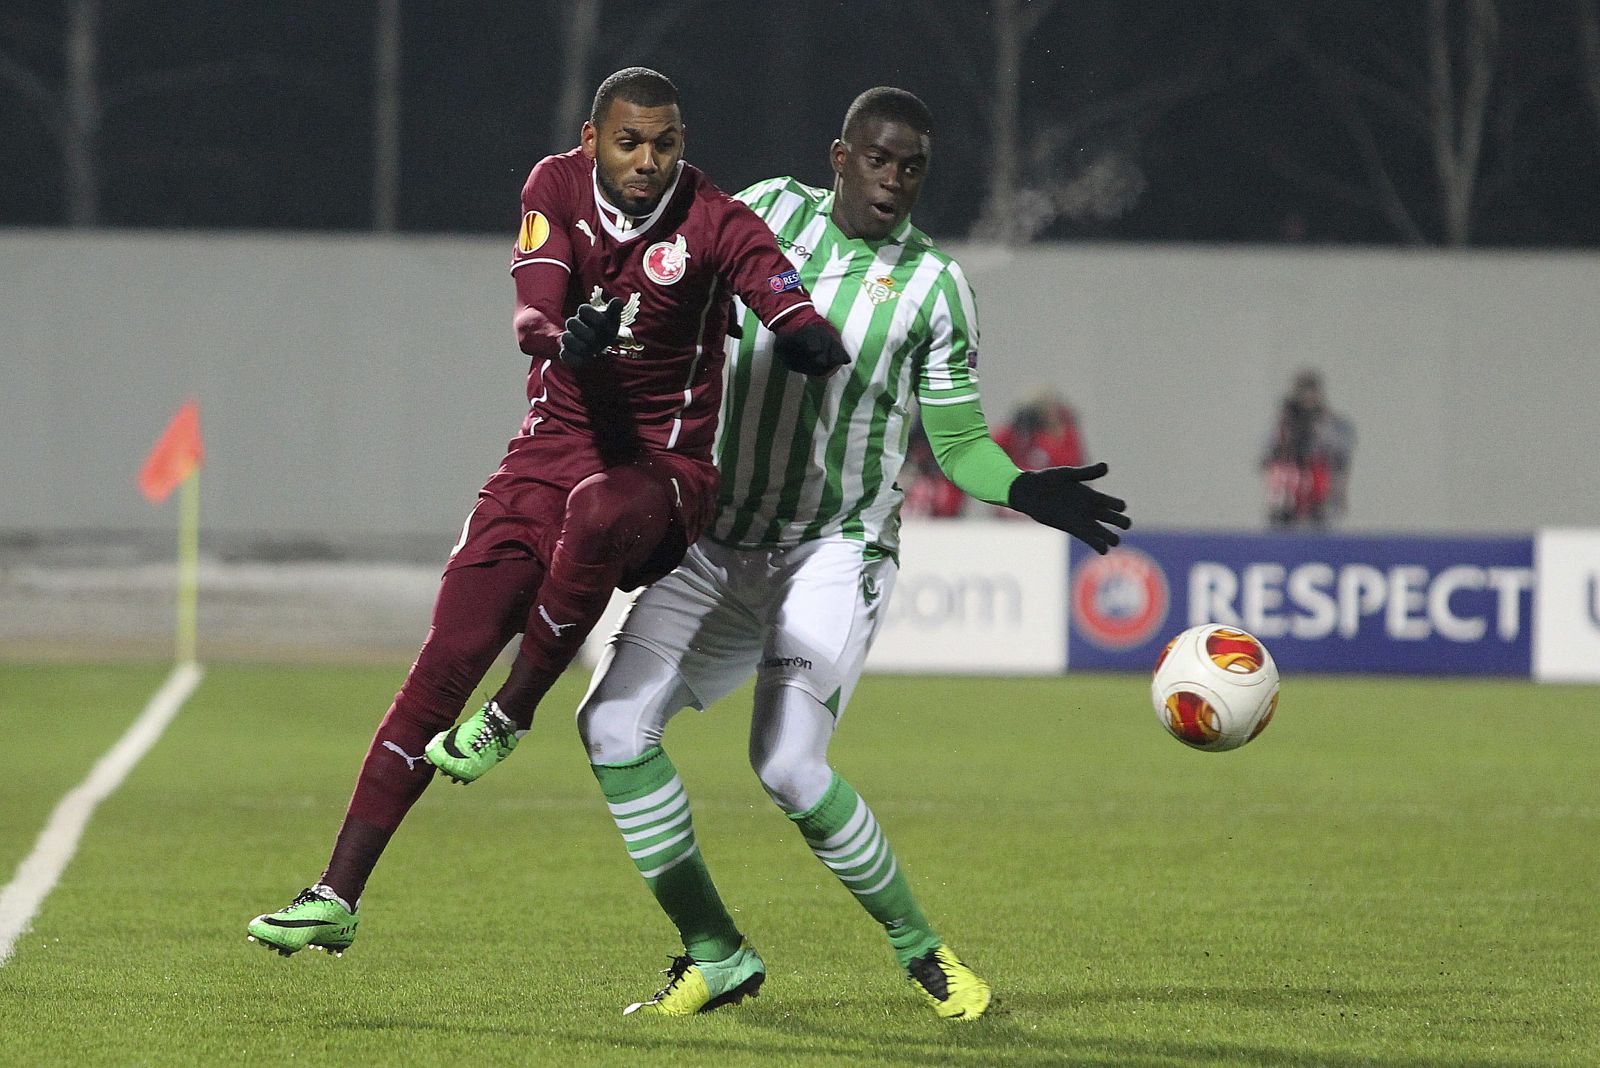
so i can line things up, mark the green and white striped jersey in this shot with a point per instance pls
(804, 458)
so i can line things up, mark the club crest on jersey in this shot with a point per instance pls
(665, 262)
(879, 290)
(534, 233)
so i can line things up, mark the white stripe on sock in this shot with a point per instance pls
(894, 866)
(845, 833)
(659, 828)
(673, 806)
(673, 863)
(674, 840)
(650, 800)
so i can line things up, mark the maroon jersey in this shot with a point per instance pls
(660, 386)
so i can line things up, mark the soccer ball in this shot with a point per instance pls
(1214, 687)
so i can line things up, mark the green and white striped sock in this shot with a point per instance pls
(651, 809)
(844, 835)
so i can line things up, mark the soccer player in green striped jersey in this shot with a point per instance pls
(793, 576)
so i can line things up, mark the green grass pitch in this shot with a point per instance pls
(1398, 872)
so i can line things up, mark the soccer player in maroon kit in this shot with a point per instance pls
(625, 265)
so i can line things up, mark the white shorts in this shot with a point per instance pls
(803, 616)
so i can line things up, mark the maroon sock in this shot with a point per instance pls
(392, 777)
(570, 603)
(478, 610)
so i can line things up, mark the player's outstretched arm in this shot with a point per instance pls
(770, 286)
(1055, 496)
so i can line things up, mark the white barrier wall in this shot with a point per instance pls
(356, 386)
(1566, 627)
(976, 598)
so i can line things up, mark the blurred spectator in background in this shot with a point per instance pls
(928, 493)
(1043, 432)
(1307, 459)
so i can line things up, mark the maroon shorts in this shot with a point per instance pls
(521, 508)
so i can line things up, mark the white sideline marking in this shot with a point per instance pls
(40, 870)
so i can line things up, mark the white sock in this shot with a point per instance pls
(327, 891)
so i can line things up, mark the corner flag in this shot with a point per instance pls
(178, 454)
(175, 461)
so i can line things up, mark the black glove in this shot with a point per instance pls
(590, 332)
(1057, 497)
(813, 349)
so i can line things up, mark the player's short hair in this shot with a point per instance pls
(888, 103)
(636, 85)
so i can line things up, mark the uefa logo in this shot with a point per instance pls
(1119, 600)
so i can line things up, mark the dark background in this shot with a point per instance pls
(1261, 121)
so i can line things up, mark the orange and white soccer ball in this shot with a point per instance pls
(1215, 687)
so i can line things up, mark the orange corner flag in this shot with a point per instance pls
(177, 455)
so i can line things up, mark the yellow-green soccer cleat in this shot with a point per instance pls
(954, 990)
(312, 919)
(470, 748)
(700, 986)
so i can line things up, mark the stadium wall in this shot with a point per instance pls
(355, 387)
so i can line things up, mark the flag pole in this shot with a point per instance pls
(188, 565)
(174, 463)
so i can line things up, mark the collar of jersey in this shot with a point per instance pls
(897, 237)
(625, 227)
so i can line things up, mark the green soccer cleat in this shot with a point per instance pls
(700, 986)
(311, 919)
(954, 990)
(468, 750)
